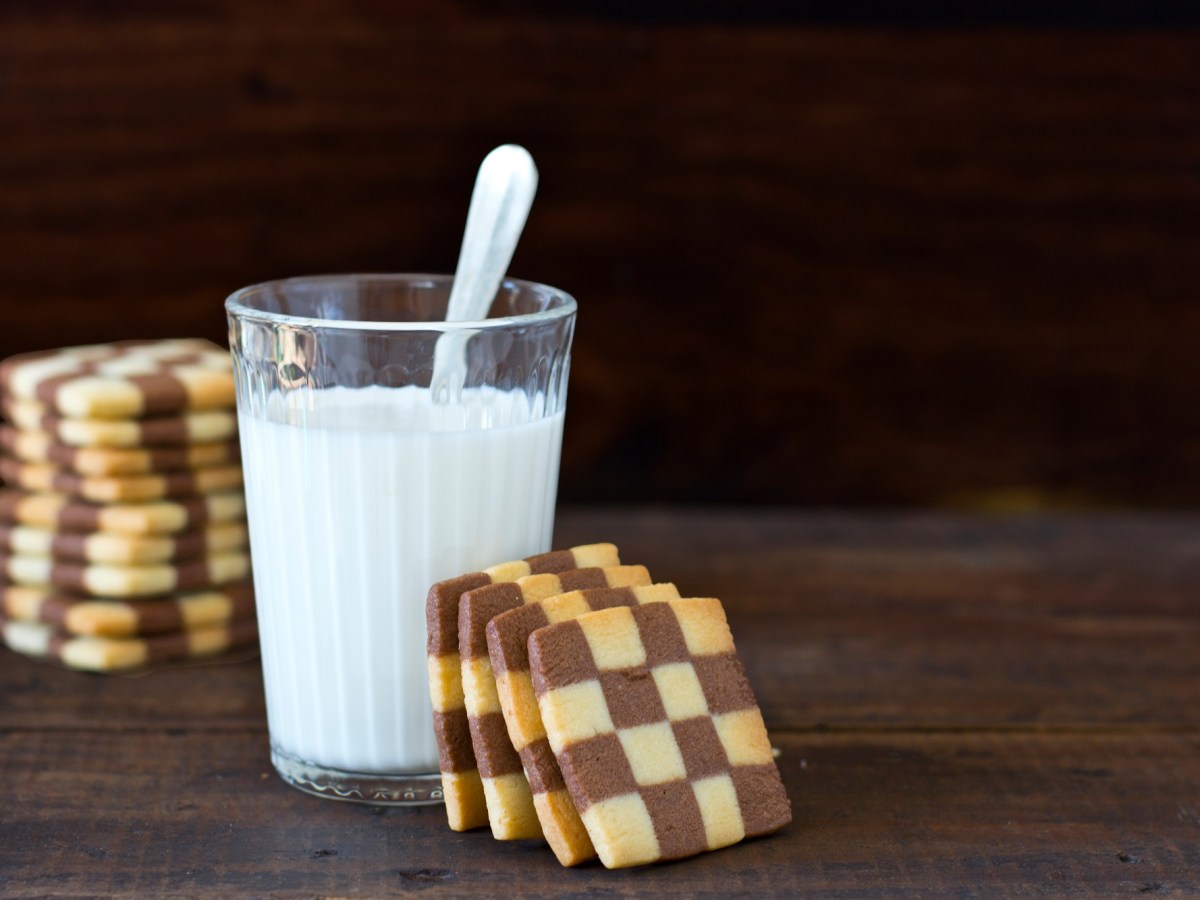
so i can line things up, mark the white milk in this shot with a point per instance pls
(352, 517)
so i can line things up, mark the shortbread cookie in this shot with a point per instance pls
(461, 787)
(509, 801)
(88, 617)
(656, 730)
(122, 549)
(130, 379)
(507, 637)
(125, 581)
(38, 447)
(160, 431)
(44, 477)
(61, 513)
(98, 654)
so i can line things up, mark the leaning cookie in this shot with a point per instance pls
(87, 617)
(43, 477)
(160, 431)
(96, 654)
(60, 513)
(505, 789)
(461, 786)
(125, 581)
(656, 730)
(122, 549)
(507, 637)
(130, 379)
(39, 447)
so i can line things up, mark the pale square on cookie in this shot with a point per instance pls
(613, 642)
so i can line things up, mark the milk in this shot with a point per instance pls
(358, 501)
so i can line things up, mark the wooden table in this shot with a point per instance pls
(964, 706)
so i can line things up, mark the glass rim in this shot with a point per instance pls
(236, 306)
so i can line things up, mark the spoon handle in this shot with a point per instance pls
(500, 204)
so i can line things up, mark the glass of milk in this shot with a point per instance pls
(370, 476)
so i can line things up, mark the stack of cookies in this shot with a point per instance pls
(122, 522)
(577, 701)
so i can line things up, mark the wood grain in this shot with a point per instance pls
(816, 264)
(964, 706)
(976, 815)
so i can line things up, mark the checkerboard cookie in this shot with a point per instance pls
(98, 654)
(461, 785)
(507, 637)
(172, 430)
(656, 730)
(122, 549)
(131, 379)
(39, 447)
(505, 789)
(125, 581)
(44, 477)
(60, 513)
(82, 616)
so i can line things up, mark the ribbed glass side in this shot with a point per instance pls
(362, 490)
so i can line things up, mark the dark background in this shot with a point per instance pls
(823, 255)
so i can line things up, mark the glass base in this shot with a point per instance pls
(355, 787)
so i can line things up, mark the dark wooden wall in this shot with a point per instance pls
(817, 262)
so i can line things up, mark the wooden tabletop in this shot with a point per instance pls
(964, 706)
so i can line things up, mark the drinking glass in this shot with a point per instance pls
(371, 473)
